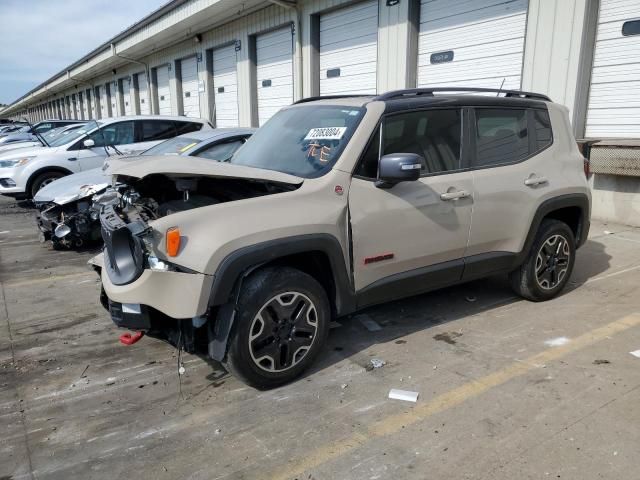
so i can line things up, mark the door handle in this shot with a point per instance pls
(448, 196)
(534, 181)
(72, 159)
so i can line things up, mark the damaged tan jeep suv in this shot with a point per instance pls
(336, 204)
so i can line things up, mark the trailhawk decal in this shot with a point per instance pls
(326, 133)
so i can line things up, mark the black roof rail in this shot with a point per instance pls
(333, 97)
(416, 92)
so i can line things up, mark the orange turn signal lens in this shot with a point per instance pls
(173, 241)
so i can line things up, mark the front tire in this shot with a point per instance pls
(282, 321)
(549, 263)
(42, 180)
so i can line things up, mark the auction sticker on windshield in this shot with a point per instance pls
(326, 133)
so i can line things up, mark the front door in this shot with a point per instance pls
(411, 237)
(120, 134)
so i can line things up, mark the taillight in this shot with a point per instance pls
(173, 241)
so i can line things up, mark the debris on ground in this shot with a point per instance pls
(405, 395)
(343, 386)
(375, 363)
(447, 337)
(557, 342)
(607, 232)
(84, 371)
(181, 370)
(601, 362)
(218, 431)
(368, 322)
(635, 353)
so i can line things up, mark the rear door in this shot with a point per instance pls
(511, 162)
(410, 237)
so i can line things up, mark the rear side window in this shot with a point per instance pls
(542, 125)
(222, 151)
(152, 130)
(502, 136)
(188, 127)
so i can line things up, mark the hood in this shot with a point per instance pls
(74, 187)
(27, 152)
(6, 147)
(193, 166)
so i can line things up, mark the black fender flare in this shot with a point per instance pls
(580, 200)
(237, 265)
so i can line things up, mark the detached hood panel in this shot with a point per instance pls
(74, 187)
(177, 166)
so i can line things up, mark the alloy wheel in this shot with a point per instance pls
(552, 262)
(283, 331)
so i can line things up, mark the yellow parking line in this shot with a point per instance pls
(395, 423)
(52, 278)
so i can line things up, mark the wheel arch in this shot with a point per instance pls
(42, 170)
(319, 255)
(572, 209)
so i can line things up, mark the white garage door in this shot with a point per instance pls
(113, 98)
(471, 44)
(164, 93)
(104, 102)
(225, 87)
(143, 94)
(274, 68)
(126, 93)
(349, 49)
(190, 95)
(614, 95)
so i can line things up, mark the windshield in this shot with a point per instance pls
(303, 141)
(173, 146)
(72, 135)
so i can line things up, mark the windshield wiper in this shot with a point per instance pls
(41, 138)
(118, 152)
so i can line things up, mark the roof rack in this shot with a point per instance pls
(332, 97)
(416, 92)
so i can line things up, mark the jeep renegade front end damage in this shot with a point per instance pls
(334, 205)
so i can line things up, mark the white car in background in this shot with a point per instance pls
(25, 171)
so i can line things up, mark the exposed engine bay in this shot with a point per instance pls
(77, 224)
(159, 195)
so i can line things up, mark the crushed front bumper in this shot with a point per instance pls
(176, 294)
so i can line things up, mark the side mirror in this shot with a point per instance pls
(399, 167)
(88, 143)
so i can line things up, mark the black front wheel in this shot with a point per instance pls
(549, 263)
(281, 324)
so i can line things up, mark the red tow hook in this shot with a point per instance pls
(130, 338)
